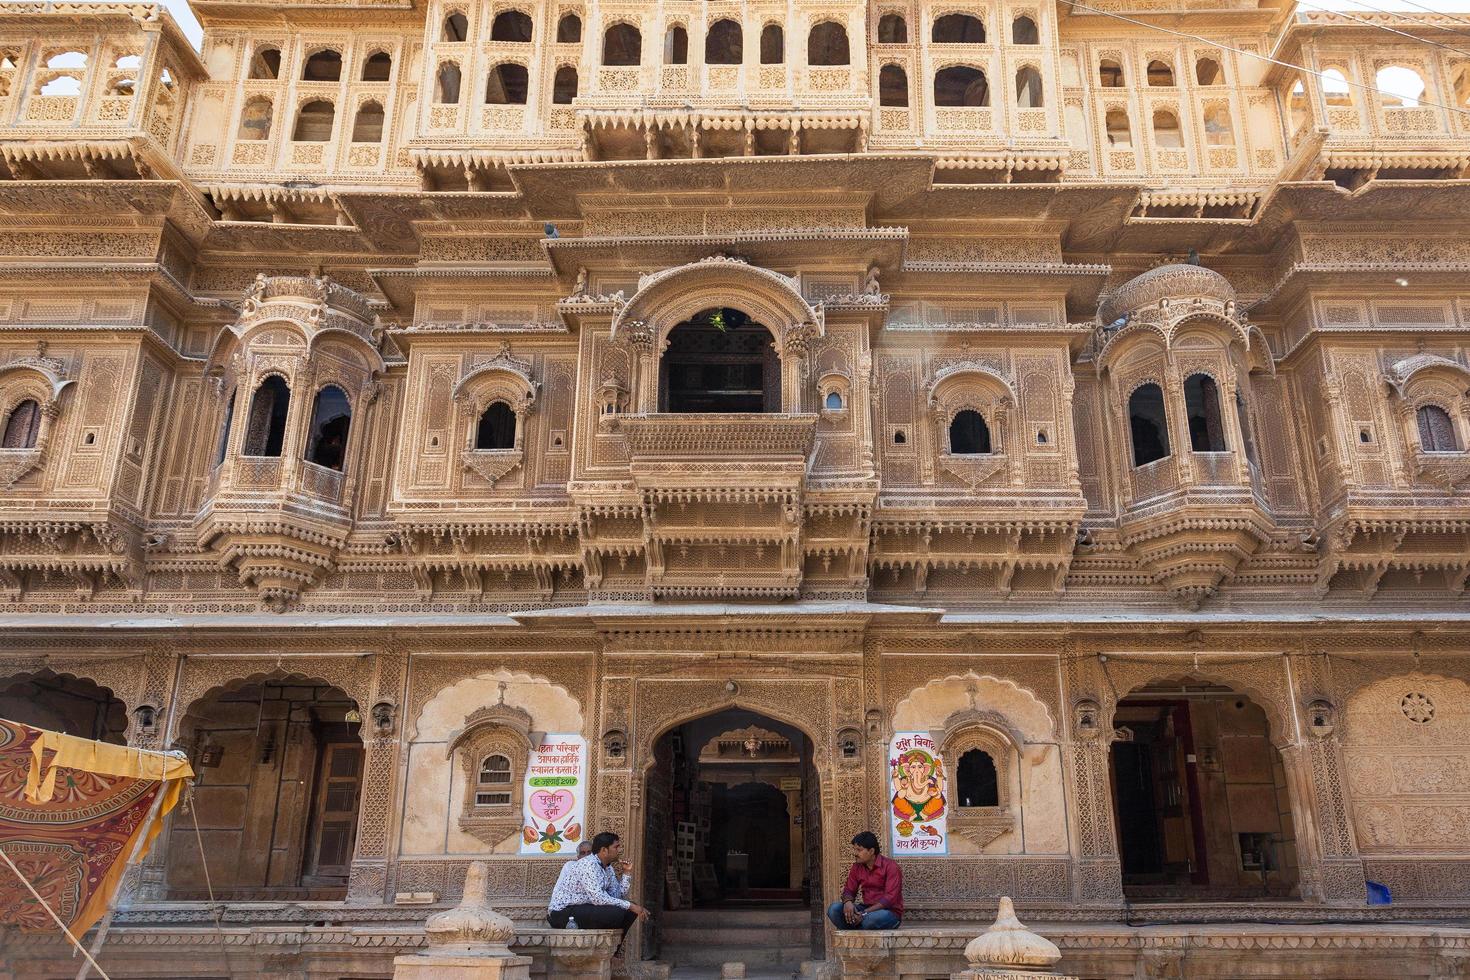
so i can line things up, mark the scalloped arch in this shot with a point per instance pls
(930, 705)
(668, 298)
(1278, 711)
(438, 713)
(955, 375)
(54, 382)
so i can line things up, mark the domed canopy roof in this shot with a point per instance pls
(1171, 282)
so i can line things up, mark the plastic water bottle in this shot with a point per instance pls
(571, 922)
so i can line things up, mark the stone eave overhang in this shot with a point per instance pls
(401, 286)
(173, 201)
(1191, 16)
(389, 218)
(857, 248)
(273, 13)
(1313, 25)
(41, 19)
(1081, 283)
(1347, 278)
(800, 616)
(135, 274)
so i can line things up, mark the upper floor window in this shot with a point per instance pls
(1148, 424)
(446, 84)
(976, 780)
(456, 27)
(266, 63)
(724, 44)
(569, 29)
(893, 29)
(377, 67)
(1120, 133)
(1109, 73)
(622, 45)
(720, 360)
(1336, 88)
(1028, 88)
(1218, 130)
(1202, 406)
(323, 66)
(1207, 72)
(265, 434)
(367, 127)
(507, 84)
(961, 85)
(1160, 75)
(511, 25)
(893, 86)
(1399, 87)
(968, 434)
(827, 45)
(492, 787)
(773, 45)
(1436, 430)
(314, 122)
(255, 119)
(23, 425)
(958, 29)
(1167, 135)
(496, 428)
(676, 45)
(331, 420)
(1023, 31)
(564, 87)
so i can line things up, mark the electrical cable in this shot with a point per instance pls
(1440, 13)
(1368, 23)
(1253, 54)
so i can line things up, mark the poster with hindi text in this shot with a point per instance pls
(918, 799)
(554, 800)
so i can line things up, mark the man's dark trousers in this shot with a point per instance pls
(593, 917)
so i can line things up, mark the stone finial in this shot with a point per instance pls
(1008, 943)
(472, 926)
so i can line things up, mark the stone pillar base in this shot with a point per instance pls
(427, 966)
(1010, 974)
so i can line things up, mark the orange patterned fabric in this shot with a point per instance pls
(71, 811)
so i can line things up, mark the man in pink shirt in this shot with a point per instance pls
(879, 880)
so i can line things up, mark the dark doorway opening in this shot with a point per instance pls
(720, 360)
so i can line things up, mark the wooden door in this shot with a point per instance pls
(336, 810)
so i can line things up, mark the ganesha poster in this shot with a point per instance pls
(554, 808)
(917, 795)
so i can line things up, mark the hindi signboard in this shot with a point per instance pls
(554, 811)
(917, 807)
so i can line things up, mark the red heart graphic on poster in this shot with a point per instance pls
(551, 806)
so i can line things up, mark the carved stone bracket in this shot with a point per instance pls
(492, 464)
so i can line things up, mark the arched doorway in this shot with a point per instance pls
(63, 703)
(732, 842)
(721, 361)
(1201, 796)
(278, 777)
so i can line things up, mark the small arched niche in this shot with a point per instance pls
(720, 361)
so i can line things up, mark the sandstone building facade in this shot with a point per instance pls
(734, 385)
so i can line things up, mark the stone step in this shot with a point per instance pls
(718, 918)
(763, 956)
(727, 934)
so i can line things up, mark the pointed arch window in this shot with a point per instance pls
(676, 45)
(569, 30)
(456, 28)
(1207, 72)
(1109, 74)
(265, 63)
(266, 432)
(1148, 424)
(1120, 133)
(367, 127)
(255, 119)
(314, 122)
(893, 29)
(323, 66)
(958, 29)
(1202, 407)
(496, 428)
(378, 67)
(961, 85)
(893, 86)
(564, 88)
(1028, 88)
(773, 45)
(1023, 31)
(511, 25)
(1436, 430)
(23, 425)
(507, 84)
(331, 421)
(1160, 74)
(724, 44)
(827, 45)
(622, 46)
(968, 434)
(976, 779)
(1166, 130)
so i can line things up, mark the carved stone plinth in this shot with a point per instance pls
(468, 942)
(1010, 951)
(424, 966)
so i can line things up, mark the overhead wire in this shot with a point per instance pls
(1258, 56)
(1439, 13)
(1381, 27)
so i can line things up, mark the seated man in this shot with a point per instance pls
(590, 891)
(879, 879)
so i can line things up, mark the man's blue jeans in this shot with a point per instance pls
(878, 919)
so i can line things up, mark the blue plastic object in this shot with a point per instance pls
(1379, 894)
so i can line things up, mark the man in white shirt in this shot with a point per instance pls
(590, 890)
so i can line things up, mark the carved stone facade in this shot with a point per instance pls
(1124, 384)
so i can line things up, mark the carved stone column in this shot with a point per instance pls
(1085, 747)
(367, 882)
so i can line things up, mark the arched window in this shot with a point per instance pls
(456, 27)
(507, 84)
(446, 84)
(958, 29)
(224, 429)
(1023, 31)
(1160, 75)
(1296, 105)
(367, 126)
(323, 66)
(314, 122)
(893, 29)
(1166, 130)
(961, 85)
(1119, 132)
(492, 787)
(1148, 423)
(496, 428)
(1336, 88)
(564, 87)
(125, 85)
(1207, 72)
(511, 25)
(1436, 430)
(255, 119)
(676, 45)
(893, 86)
(827, 45)
(976, 780)
(1399, 87)
(1028, 88)
(721, 361)
(968, 434)
(834, 401)
(569, 30)
(1202, 407)
(377, 67)
(266, 63)
(773, 45)
(266, 432)
(331, 418)
(622, 45)
(23, 425)
(62, 85)
(1109, 74)
(1462, 86)
(1218, 131)
(724, 44)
